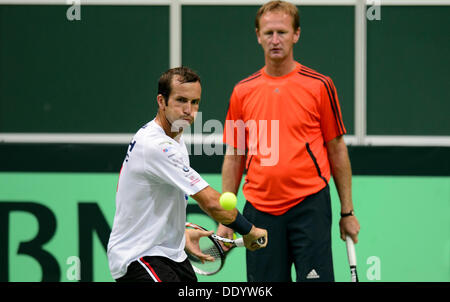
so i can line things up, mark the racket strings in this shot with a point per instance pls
(207, 246)
(213, 251)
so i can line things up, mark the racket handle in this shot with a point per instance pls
(239, 242)
(350, 251)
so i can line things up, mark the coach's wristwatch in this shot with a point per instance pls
(351, 213)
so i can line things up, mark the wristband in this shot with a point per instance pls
(351, 213)
(240, 225)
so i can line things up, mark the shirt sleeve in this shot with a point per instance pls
(331, 122)
(234, 133)
(165, 161)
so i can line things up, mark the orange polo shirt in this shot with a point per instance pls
(282, 124)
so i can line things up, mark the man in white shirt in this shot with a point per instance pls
(148, 238)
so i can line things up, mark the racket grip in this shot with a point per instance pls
(350, 251)
(239, 242)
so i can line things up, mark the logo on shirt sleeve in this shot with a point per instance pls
(176, 160)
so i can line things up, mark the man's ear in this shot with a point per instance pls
(257, 35)
(161, 101)
(297, 35)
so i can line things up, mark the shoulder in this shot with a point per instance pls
(314, 79)
(159, 146)
(153, 140)
(249, 82)
(250, 78)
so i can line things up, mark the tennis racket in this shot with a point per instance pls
(351, 254)
(211, 245)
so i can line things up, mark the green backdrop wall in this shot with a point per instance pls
(405, 229)
(99, 74)
(407, 65)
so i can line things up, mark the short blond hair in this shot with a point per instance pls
(282, 6)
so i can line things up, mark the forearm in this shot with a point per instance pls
(232, 170)
(342, 174)
(208, 200)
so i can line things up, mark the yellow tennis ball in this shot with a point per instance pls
(228, 200)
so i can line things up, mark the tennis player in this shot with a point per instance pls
(148, 238)
(290, 198)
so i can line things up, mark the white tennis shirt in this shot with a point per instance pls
(154, 184)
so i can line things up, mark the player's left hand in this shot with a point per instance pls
(192, 243)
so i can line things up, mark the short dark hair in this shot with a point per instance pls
(282, 6)
(185, 75)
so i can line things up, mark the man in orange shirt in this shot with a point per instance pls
(284, 127)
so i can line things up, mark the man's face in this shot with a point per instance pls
(276, 35)
(182, 105)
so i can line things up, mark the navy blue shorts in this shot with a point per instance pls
(159, 269)
(300, 237)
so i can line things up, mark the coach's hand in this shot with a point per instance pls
(251, 239)
(349, 226)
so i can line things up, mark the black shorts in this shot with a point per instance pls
(159, 269)
(301, 236)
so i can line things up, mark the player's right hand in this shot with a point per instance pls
(251, 239)
(349, 226)
(225, 232)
